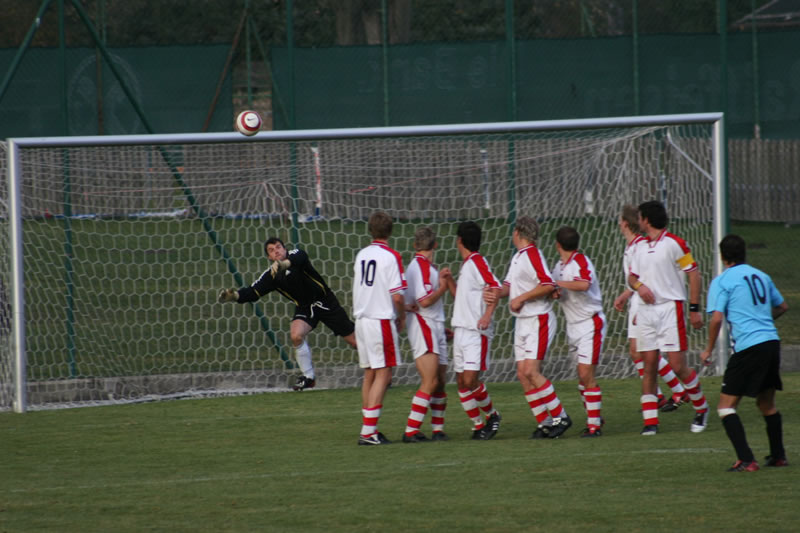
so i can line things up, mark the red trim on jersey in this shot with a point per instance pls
(426, 332)
(683, 341)
(544, 334)
(403, 284)
(585, 274)
(484, 351)
(389, 354)
(425, 270)
(684, 248)
(597, 338)
(536, 261)
(483, 269)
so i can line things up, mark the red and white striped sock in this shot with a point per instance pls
(696, 393)
(369, 420)
(582, 391)
(650, 409)
(419, 408)
(471, 407)
(594, 403)
(533, 397)
(483, 399)
(669, 377)
(551, 401)
(438, 406)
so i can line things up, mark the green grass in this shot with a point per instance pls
(289, 462)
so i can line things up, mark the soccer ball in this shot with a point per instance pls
(248, 123)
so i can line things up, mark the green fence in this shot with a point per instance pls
(333, 63)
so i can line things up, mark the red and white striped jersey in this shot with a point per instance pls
(468, 307)
(579, 305)
(378, 275)
(423, 278)
(661, 264)
(528, 270)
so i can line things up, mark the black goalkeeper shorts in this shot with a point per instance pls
(333, 316)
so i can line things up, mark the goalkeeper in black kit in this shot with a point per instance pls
(292, 275)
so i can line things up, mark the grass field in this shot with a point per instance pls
(289, 462)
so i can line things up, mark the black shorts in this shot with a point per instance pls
(754, 370)
(334, 316)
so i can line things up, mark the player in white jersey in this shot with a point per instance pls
(658, 272)
(472, 324)
(629, 227)
(426, 334)
(378, 286)
(582, 303)
(530, 285)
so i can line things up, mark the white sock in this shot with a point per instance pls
(303, 355)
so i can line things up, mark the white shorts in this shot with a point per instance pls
(470, 350)
(533, 336)
(661, 327)
(377, 343)
(586, 338)
(632, 308)
(426, 336)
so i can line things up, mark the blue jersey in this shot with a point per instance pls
(746, 296)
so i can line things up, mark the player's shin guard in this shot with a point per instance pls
(696, 393)
(735, 431)
(551, 401)
(533, 397)
(669, 377)
(438, 406)
(369, 420)
(419, 408)
(582, 392)
(484, 400)
(650, 409)
(775, 435)
(594, 403)
(303, 355)
(471, 407)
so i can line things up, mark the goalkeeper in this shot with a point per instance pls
(292, 275)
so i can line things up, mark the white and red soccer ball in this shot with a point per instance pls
(248, 123)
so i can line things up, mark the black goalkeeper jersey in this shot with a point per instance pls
(300, 283)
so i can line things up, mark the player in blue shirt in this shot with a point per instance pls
(748, 299)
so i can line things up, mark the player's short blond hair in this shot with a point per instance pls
(380, 225)
(630, 216)
(527, 228)
(424, 239)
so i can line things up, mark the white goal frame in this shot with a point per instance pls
(17, 340)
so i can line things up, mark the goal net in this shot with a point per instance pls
(115, 247)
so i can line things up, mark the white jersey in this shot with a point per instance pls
(579, 305)
(527, 271)
(661, 264)
(627, 259)
(378, 275)
(423, 279)
(468, 307)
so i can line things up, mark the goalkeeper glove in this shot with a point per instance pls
(228, 295)
(279, 266)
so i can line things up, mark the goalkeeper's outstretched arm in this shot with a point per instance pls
(228, 295)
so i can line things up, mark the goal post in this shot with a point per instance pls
(118, 245)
